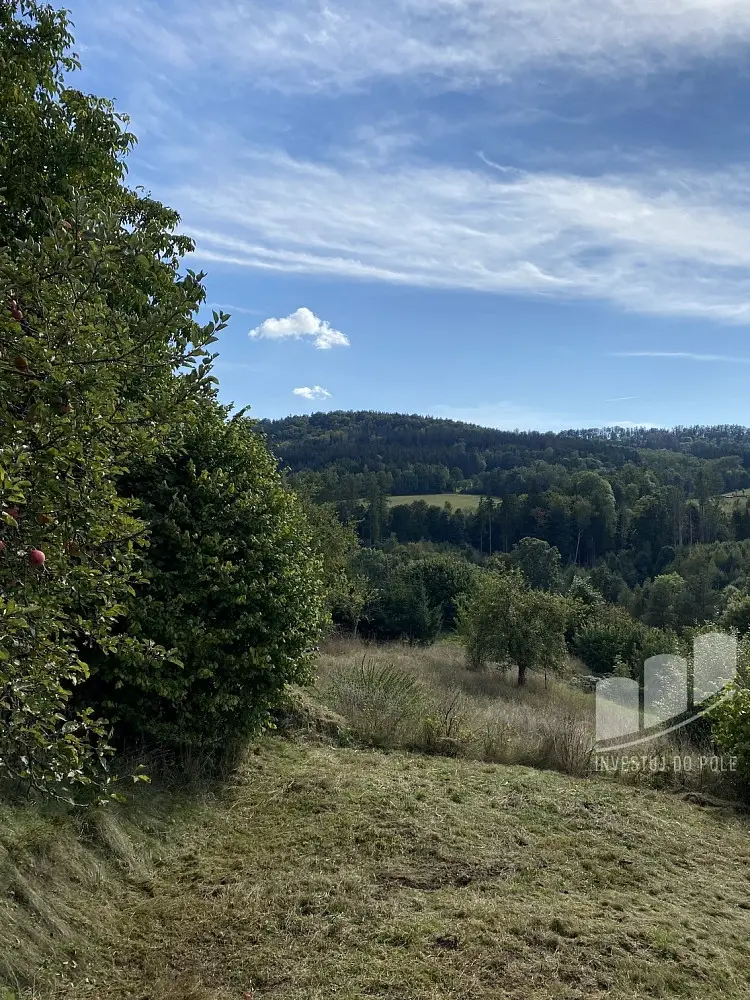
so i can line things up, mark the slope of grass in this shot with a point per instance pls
(458, 501)
(330, 872)
(451, 709)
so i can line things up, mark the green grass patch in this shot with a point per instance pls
(458, 501)
(738, 498)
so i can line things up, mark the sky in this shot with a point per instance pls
(519, 213)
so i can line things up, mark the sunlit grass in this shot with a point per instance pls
(322, 871)
(458, 501)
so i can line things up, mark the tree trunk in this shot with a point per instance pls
(521, 675)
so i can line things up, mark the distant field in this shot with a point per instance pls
(467, 501)
(464, 501)
(735, 498)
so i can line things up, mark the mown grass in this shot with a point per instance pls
(458, 501)
(439, 866)
(323, 871)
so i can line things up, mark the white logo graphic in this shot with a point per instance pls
(672, 694)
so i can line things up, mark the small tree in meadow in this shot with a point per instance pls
(505, 621)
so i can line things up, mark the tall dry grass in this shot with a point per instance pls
(400, 696)
(397, 696)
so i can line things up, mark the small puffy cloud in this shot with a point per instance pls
(302, 323)
(312, 392)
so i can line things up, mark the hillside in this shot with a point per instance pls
(322, 871)
(619, 503)
(367, 441)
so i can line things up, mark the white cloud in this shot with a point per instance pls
(508, 415)
(682, 355)
(666, 243)
(302, 323)
(303, 44)
(312, 392)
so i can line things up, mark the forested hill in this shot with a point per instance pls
(414, 454)
(623, 505)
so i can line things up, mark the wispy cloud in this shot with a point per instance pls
(682, 356)
(312, 392)
(665, 243)
(620, 399)
(302, 323)
(660, 241)
(509, 415)
(235, 310)
(303, 44)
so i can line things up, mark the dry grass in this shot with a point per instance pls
(483, 715)
(330, 872)
(454, 710)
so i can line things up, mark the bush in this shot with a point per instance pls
(233, 591)
(610, 636)
(568, 746)
(730, 717)
(411, 597)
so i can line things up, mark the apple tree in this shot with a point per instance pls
(96, 318)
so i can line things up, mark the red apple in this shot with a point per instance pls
(21, 363)
(36, 557)
(66, 408)
(17, 314)
(14, 513)
(43, 519)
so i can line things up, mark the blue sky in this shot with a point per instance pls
(522, 213)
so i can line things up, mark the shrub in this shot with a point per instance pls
(411, 597)
(610, 637)
(730, 717)
(568, 745)
(736, 615)
(233, 591)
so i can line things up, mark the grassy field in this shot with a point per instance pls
(425, 699)
(467, 501)
(736, 499)
(458, 501)
(324, 871)
(324, 868)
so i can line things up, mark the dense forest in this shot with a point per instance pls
(641, 514)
